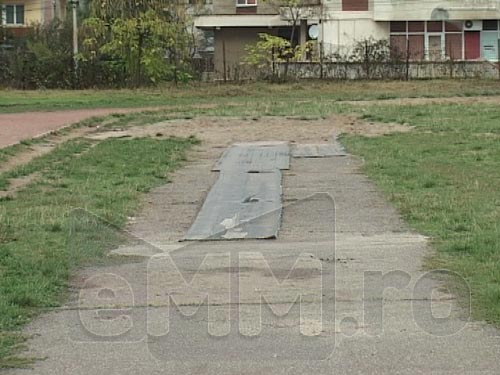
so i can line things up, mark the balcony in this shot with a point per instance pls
(227, 7)
(14, 31)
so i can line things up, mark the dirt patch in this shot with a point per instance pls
(39, 149)
(487, 135)
(36, 150)
(492, 100)
(222, 131)
(17, 184)
(216, 133)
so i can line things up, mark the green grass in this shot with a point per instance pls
(444, 177)
(60, 155)
(10, 343)
(42, 237)
(195, 95)
(8, 152)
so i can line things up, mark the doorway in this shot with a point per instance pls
(472, 45)
(435, 47)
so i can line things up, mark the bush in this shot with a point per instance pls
(42, 59)
(269, 52)
(138, 51)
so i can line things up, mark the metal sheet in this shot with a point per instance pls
(255, 157)
(326, 150)
(245, 202)
(240, 205)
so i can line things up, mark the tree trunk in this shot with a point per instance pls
(139, 58)
(292, 38)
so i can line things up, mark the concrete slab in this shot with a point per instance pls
(145, 250)
(255, 157)
(240, 206)
(326, 150)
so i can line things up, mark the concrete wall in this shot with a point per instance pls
(342, 29)
(340, 35)
(335, 6)
(417, 70)
(34, 10)
(235, 40)
(397, 10)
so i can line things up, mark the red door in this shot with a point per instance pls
(472, 45)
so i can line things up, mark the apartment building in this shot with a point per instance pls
(431, 30)
(237, 23)
(427, 29)
(16, 16)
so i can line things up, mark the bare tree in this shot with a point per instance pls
(293, 10)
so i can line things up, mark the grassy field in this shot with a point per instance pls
(106, 179)
(50, 100)
(445, 178)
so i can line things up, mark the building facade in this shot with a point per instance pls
(426, 30)
(430, 30)
(16, 16)
(237, 23)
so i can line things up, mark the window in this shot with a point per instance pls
(246, 3)
(453, 40)
(199, 2)
(355, 5)
(416, 26)
(490, 40)
(490, 25)
(453, 26)
(431, 40)
(434, 26)
(416, 47)
(398, 27)
(13, 14)
(453, 45)
(398, 45)
(407, 39)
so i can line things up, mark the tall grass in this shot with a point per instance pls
(445, 178)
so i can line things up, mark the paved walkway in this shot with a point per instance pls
(397, 324)
(15, 127)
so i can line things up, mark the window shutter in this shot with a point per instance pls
(354, 5)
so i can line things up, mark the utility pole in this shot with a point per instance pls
(75, 33)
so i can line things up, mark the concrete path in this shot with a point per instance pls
(366, 305)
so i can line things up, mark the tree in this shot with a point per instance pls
(270, 52)
(150, 37)
(293, 10)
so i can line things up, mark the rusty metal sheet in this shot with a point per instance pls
(326, 150)
(255, 157)
(240, 206)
